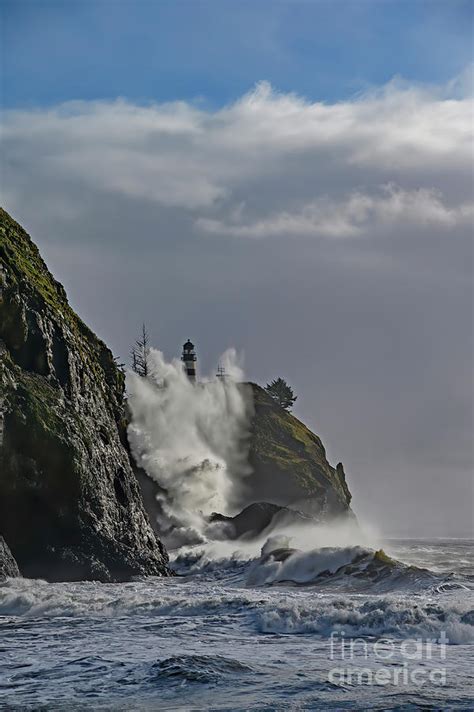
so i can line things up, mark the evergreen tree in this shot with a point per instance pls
(281, 392)
(140, 354)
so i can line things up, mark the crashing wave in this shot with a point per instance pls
(149, 603)
(349, 568)
(393, 616)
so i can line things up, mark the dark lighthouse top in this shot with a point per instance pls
(188, 351)
(189, 359)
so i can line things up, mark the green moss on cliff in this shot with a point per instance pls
(70, 506)
(23, 259)
(289, 461)
(23, 270)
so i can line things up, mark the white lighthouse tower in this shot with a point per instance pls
(189, 359)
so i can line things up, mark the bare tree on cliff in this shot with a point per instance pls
(281, 392)
(140, 354)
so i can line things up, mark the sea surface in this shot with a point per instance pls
(326, 629)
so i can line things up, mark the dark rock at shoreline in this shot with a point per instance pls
(8, 566)
(70, 505)
(255, 518)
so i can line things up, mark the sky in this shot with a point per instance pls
(290, 178)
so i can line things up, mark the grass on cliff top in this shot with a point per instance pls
(278, 420)
(22, 260)
(286, 442)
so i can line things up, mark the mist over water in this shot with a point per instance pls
(192, 440)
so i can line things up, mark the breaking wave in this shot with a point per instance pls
(356, 590)
(351, 568)
(398, 617)
(145, 605)
(348, 569)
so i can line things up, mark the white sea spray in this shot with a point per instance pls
(191, 439)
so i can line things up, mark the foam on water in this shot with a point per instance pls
(258, 588)
(398, 617)
(245, 630)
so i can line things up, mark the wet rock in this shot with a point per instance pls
(289, 464)
(8, 566)
(70, 505)
(255, 518)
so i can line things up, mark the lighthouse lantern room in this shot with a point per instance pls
(189, 359)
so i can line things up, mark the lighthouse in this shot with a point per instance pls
(189, 359)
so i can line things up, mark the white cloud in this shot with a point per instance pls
(270, 164)
(351, 216)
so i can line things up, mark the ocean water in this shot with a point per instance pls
(338, 628)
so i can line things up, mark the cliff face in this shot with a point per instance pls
(8, 565)
(289, 465)
(70, 505)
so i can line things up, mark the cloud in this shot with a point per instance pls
(352, 216)
(297, 167)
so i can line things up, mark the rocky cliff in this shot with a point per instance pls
(70, 505)
(289, 464)
(8, 566)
